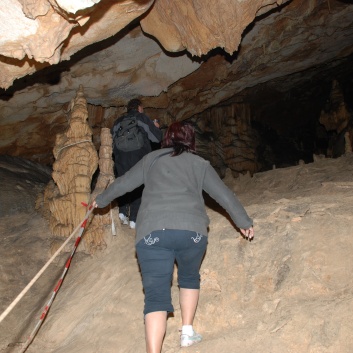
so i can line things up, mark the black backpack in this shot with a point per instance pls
(128, 137)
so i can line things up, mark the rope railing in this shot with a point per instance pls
(81, 226)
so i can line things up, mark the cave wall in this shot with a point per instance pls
(310, 119)
(258, 129)
(283, 128)
(225, 138)
(182, 60)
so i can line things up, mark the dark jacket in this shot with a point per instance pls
(172, 197)
(124, 161)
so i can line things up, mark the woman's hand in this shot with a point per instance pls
(94, 203)
(248, 233)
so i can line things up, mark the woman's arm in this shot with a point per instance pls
(126, 183)
(216, 188)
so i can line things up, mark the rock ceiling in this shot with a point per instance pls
(182, 57)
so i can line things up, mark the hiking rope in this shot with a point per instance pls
(82, 226)
(30, 284)
(73, 144)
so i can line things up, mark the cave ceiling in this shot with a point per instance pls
(180, 57)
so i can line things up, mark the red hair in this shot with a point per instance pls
(181, 137)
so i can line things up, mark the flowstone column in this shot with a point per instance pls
(95, 234)
(76, 160)
(337, 119)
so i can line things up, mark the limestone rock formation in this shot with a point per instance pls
(348, 138)
(105, 76)
(76, 160)
(198, 28)
(335, 115)
(338, 120)
(42, 31)
(95, 235)
(182, 58)
(50, 31)
(225, 137)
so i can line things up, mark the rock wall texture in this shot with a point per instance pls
(181, 58)
(225, 137)
(48, 31)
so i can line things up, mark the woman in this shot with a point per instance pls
(172, 226)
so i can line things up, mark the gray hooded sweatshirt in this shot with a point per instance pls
(172, 197)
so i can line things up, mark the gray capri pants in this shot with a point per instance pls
(157, 253)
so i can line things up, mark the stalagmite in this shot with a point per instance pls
(94, 237)
(76, 160)
(348, 143)
(336, 118)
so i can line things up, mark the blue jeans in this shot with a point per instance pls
(157, 253)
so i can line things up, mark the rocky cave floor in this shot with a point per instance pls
(289, 290)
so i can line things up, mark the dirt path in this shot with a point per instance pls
(290, 290)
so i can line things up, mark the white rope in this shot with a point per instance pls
(73, 144)
(30, 284)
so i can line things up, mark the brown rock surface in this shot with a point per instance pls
(282, 42)
(44, 31)
(231, 142)
(290, 290)
(199, 28)
(95, 238)
(76, 160)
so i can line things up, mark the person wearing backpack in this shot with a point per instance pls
(132, 136)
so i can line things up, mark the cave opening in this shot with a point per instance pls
(293, 119)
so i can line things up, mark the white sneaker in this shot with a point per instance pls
(186, 340)
(132, 225)
(123, 218)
